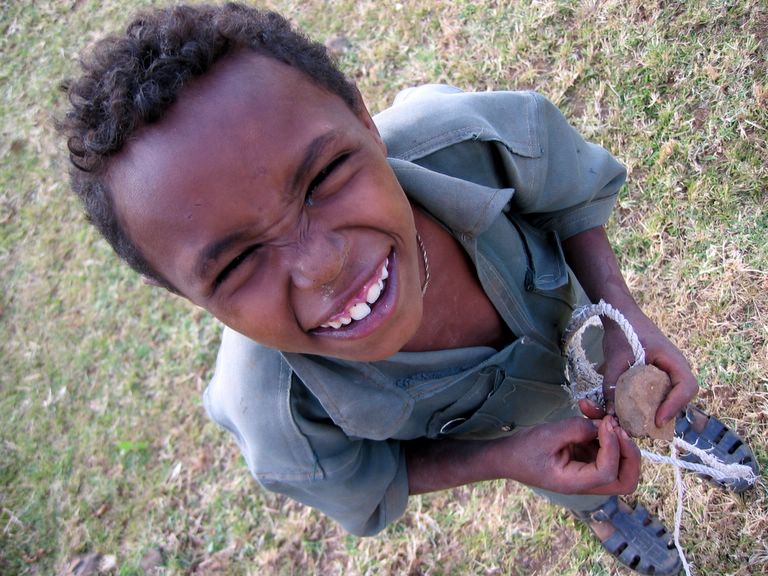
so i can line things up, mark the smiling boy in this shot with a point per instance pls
(323, 210)
(395, 291)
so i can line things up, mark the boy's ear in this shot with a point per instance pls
(365, 118)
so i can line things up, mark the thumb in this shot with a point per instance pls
(577, 430)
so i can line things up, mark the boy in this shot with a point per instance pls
(395, 292)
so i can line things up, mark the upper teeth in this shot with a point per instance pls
(373, 292)
(360, 310)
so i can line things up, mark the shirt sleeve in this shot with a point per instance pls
(572, 186)
(292, 447)
(510, 140)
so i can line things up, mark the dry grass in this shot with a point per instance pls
(104, 447)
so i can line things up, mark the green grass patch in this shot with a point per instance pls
(105, 447)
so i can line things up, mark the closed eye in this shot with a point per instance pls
(321, 176)
(232, 266)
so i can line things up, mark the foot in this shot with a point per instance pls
(710, 434)
(633, 537)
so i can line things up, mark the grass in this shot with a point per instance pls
(104, 446)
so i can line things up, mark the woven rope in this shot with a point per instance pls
(587, 383)
(679, 508)
(713, 467)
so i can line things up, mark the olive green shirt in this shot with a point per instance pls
(507, 175)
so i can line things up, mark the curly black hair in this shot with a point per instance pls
(131, 80)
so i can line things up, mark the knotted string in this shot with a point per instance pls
(587, 383)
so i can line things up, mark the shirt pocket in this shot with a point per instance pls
(515, 403)
(485, 383)
(549, 286)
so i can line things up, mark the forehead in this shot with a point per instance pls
(241, 98)
(233, 136)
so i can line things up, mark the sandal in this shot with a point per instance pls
(639, 540)
(719, 440)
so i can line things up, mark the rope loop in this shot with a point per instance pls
(585, 380)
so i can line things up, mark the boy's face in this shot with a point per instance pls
(264, 199)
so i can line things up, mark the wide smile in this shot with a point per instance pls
(365, 311)
(360, 306)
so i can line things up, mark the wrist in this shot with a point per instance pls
(505, 458)
(441, 464)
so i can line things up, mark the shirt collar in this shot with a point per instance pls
(465, 207)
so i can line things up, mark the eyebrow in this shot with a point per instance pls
(316, 148)
(213, 251)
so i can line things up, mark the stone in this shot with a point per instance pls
(639, 392)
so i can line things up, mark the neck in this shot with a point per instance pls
(457, 313)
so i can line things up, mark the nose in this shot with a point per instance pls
(319, 259)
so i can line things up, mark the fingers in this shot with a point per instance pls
(684, 388)
(607, 459)
(620, 454)
(577, 431)
(591, 410)
(616, 466)
(675, 402)
(629, 466)
(660, 352)
(578, 456)
(618, 460)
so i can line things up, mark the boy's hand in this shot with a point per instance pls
(576, 456)
(590, 256)
(660, 352)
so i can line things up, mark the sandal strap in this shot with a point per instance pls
(602, 514)
(639, 540)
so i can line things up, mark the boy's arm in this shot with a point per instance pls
(562, 456)
(591, 258)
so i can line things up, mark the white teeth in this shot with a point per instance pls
(373, 293)
(362, 309)
(337, 323)
(359, 311)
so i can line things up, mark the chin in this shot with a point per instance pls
(363, 351)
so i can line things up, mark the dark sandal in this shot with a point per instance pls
(720, 441)
(639, 540)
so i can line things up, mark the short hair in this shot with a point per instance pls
(132, 80)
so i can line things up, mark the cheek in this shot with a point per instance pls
(257, 308)
(260, 320)
(379, 196)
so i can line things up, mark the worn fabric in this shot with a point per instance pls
(509, 177)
